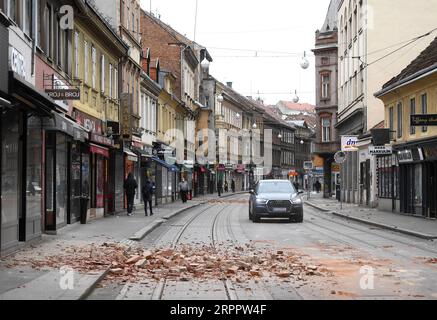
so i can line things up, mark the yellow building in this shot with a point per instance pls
(95, 56)
(408, 178)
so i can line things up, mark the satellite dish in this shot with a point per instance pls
(295, 97)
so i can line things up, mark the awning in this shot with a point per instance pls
(170, 167)
(143, 153)
(130, 155)
(99, 150)
(60, 123)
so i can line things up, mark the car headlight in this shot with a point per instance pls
(261, 201)
(296, 201)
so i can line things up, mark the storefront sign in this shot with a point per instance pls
(90, 123)
(380, 150)
(419, 120)
(430, 152)
(16, 62)
(349, 143)
(126, 115)
(63, 94)
(221, 167)
(102, 140)
(405, 156)
(335, 167)
(308, 165)
(241, 168)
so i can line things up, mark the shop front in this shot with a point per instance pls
(66, 171)
(417, 178)
(132, 165)
(166, 181)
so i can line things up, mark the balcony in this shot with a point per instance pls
(327, 147)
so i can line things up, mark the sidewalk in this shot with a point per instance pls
(413, 226)
(19, 279)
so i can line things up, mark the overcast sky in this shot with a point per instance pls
(272, 28)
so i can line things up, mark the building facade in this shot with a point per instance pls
(327, 140)
(407, 178)
(368, 57)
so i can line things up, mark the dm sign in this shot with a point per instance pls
(349, 143)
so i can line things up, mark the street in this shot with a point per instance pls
(328, 253)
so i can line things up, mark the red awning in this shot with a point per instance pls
(99, 150)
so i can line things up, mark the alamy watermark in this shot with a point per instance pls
(367, 281)
(66, 282)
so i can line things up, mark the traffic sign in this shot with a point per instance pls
(340, 157)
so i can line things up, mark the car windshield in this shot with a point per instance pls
(276, 187)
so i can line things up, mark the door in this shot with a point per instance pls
(76, 177)
(9, 189)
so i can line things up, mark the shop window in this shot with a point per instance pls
(391, 119)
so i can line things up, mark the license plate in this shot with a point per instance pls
(279, 210)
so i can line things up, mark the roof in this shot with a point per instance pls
(178, 36)
(427, 59)
(331, 17)
(301, 107)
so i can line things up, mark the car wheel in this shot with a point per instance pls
(256, 218)
(299, 217)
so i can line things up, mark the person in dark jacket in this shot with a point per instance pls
(220, 187)
(147, 192)
(233, 185)
(130, 186)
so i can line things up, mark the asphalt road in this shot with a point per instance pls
(361, 262)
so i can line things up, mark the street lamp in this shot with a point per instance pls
(255, 125)
(205, 64)
(238, 115)
(220, 99)
(295, 97)
(304, 63)
(280, 136)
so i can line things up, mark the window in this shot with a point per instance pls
(115, 83)
(325, 61)
(412, 112)
(326, 130)
(424, 109)
(325, 86)
(28, 17)
(48, 29)
(103, 73)
(391, 118)
(111, 93)
(76, 55)
(93, 66)
(13, 10)
(399, 110)
(86, 62)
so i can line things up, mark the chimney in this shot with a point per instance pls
(229, 84)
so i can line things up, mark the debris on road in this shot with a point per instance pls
(184, 263)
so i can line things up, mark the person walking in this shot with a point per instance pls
(183, 189)
(147, 192)
(233, 185)
(318, 186)
(226, 186)
(130, 187)
(220, 187)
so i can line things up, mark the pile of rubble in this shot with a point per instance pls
(185, 263)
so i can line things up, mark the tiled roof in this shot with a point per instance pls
(426, 59)
(303, 107)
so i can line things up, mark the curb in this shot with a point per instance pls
(139, 235)
(375, 224)
(93, 285)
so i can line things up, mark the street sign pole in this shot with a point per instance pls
(341, 184)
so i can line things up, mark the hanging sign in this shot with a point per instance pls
(349, 143)
(380, 150)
